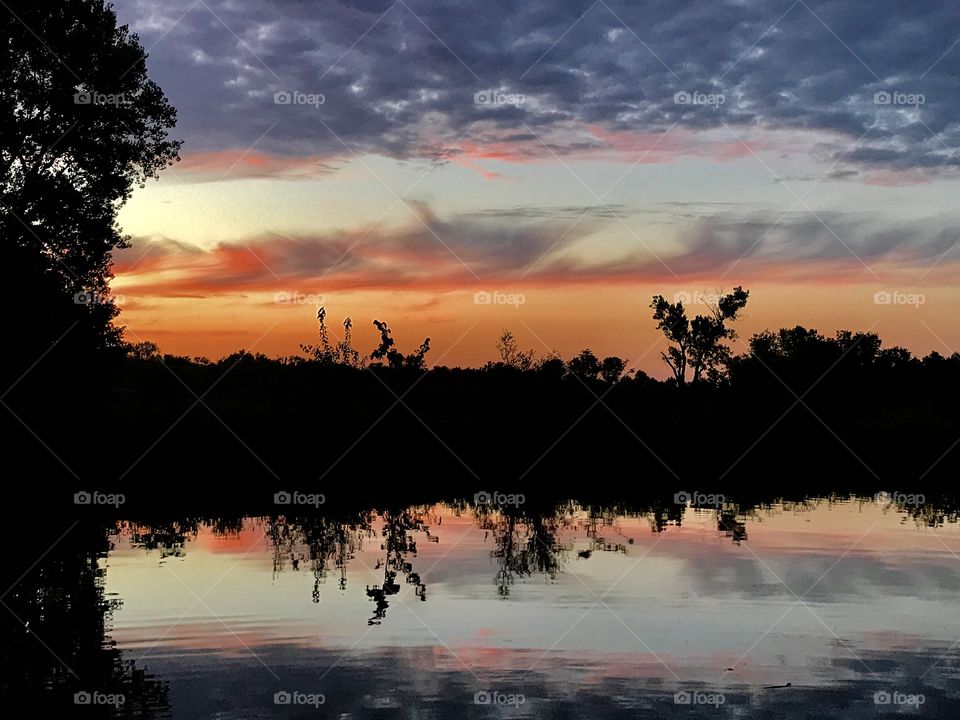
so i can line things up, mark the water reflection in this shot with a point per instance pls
(604, 612)
(526, 543)
(316, 543)
(56, 658)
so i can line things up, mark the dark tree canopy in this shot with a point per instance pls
(82, 124)
(801, 357)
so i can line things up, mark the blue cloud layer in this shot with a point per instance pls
(394, 75)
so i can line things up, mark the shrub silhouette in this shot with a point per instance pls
(395, 359)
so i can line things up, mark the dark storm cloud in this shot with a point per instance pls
(397, 76)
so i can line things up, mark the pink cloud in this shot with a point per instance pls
(236, 163)
(896, 178)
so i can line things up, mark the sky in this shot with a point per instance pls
(457, 168)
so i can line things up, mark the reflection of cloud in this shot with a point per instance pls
(427, 680)
(531, 248)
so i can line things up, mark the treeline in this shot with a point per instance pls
(800, 412)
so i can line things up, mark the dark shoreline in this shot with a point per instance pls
(172, 433)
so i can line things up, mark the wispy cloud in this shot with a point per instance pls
(535, 247)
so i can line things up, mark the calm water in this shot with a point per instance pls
(837, 608)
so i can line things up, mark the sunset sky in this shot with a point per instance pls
(390, 160)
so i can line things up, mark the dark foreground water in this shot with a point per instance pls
(844, 608)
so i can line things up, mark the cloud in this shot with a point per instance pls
(400, 78)
(535, 248)
(237, 163)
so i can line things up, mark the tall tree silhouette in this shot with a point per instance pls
(698, 344)
(80, 125)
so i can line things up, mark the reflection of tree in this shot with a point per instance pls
(322, 543)
(526, 541)
(169, 537)
(729, 519)
(926, 512)
(596, 528)
(662, 515)
(933, 515)
(317, 542)
(529, 542)
(731, 526)
(62, 604)
(398, 543)
(524, 544)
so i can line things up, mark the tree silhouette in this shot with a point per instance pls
(81, 125)
(145, 350)
(396, 359)
(800, 355)
(552, 368)
(511, 355)
(589, 367)
(586, 365)
(698, 343)
(611, 369)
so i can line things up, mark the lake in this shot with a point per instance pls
(835, 607)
